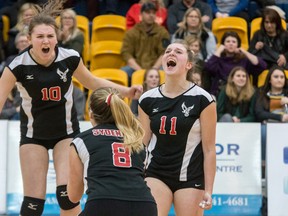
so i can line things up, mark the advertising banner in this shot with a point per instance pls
(237, 188)
(277, 169)
(3, 159)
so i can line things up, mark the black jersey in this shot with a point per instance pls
(47, 110)
(110, 170)
(175, 149)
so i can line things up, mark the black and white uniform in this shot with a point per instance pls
(110, 171)
(175, 154)
(47, 110)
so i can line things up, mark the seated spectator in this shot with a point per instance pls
(144, 44)
(236, 100)
(11, 108)
(21, 43)
(271, 104)
(272, 98)
(25, 14)
(271, 41)
(151, 80)
(133, 15)
(69, 35)
(195, 45)
(226, 8)
(229, 55)
(177, 10)
(192, 25)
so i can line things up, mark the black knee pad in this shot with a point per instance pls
(32, 206)
(63, 199)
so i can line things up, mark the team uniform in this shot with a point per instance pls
(175, 154)
(47, 111)
(113, 176)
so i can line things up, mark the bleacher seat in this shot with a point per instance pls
(108, 27)
(106, 54)
(237, 24)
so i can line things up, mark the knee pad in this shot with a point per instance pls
(32, 206)
(63, 199)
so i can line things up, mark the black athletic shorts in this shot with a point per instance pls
(112, 207)
(48, 144)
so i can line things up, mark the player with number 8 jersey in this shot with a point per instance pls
(110, 158)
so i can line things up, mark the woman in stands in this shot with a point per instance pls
(271, 41)
(192, 24)
(236, 100)
(229, 55)
(43, 73)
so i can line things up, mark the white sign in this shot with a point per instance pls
(3, 159)
(237, 188)
(277, 169)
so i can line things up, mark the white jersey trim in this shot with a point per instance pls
(68, 107)
(193, 139)
(27, 107)
(83, 155)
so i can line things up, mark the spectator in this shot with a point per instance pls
(237, 100)
(192, 25)
(25, 14)
(177, 10)
(271, 104)
(144, 44)
(69, 35)
(229, 55)
(226, 8)
(21, 43)
(271, 41)
(199, 75)
(151, 80)
(272, 98)
(133, 15)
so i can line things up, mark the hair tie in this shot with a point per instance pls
(108, 99)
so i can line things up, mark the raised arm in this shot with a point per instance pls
(91, 82)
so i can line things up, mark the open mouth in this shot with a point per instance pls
(45, 50)
(171, 63)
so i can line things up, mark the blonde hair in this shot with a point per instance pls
(231, 91)
(183, 29)
(108, 108)
(73, 31)
(20, 21)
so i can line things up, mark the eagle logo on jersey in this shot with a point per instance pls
(186, 110)
(63, 74)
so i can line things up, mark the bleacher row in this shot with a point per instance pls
(103, 41)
